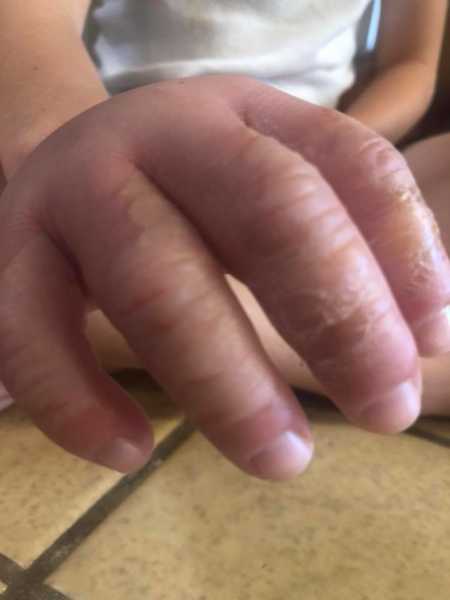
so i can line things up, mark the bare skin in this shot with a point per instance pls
(429, 161)
(141, 219)
(260, 198)
(406, 60)
(115, 355)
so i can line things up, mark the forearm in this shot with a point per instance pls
(46, 76)
(395, 100)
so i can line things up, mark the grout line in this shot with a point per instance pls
(9, 570)
(38, 592)
(61, 549)
(429, 437)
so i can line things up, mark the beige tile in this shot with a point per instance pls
(369, 520)
(43, 490)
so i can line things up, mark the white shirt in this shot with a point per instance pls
(303, 47)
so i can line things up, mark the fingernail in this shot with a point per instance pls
(121, 455)
(393, 412)
(433, 335)
(284, 458)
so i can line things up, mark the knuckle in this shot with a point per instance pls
(325, 247)
(14, 345)
(374, 160)
(173, 294)
(288, 195)
(328, 238)
(106, 191)
(13, 356)
(26, 374)
(53, 413)
(224, 419)
(378, 151)
(381, 175)
(203, 380)
(243, 433)
(380, 160)
(44, 408)
(289, 188)
(270, 162)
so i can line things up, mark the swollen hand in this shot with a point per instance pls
(143, 203)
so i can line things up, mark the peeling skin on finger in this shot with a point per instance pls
(411, 230)
(356, 303)
(343, 308)
(424, 250)
(413, 199)
(408, 204)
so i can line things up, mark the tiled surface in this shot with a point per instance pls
(43, 490)
(370, 520)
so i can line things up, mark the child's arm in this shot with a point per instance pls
(406, 65)
(46, 75)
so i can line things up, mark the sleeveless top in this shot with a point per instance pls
(303, 47)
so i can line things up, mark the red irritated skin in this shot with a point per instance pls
(141, 212)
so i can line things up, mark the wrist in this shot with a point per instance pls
(47, 77)
(20, 146)
(26, 129)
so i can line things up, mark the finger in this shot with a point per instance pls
(49, 369)
(379, 191)
(305, 259)
(276, 224)
(157, 284)
(5, 398)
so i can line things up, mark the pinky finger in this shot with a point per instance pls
(52, 372)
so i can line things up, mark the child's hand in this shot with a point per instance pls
(141, 204)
